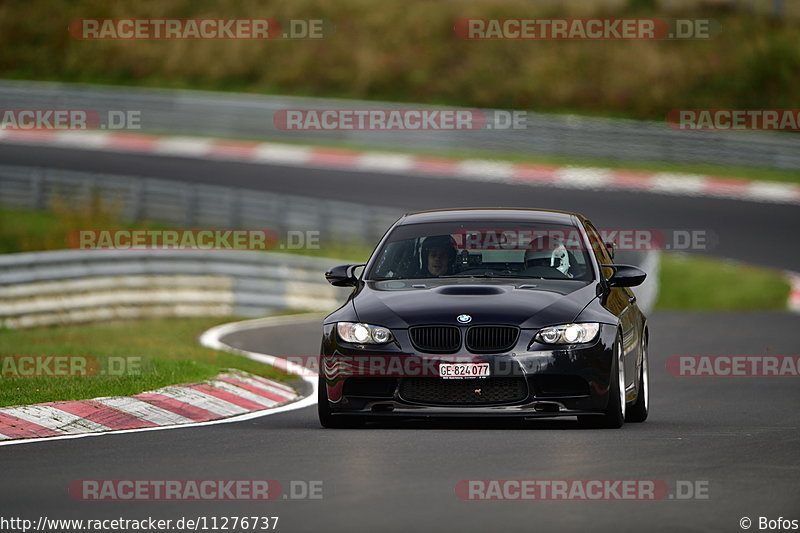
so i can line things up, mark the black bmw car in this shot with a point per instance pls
(486, 312)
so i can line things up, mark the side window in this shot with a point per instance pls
(600, 250)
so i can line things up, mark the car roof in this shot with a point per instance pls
(491, 213)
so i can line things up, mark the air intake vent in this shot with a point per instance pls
(487, 391)
(487, 339)
(435, 339)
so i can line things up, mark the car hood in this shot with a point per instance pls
(531, 304)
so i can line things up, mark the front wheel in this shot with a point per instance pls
(326, 418)
(614, 414)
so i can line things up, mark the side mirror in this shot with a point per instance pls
(342, 276)
(625, 276)
(611, 246)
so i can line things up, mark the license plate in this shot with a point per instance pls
(463, 370)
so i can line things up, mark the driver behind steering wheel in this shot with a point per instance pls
(438, 256)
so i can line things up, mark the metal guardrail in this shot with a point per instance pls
(71, 286)
(67, 286)
(251, 116)
(44, 288)
(188, 205)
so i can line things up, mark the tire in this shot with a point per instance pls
(614, 414)
(326, 418)
(639, 410)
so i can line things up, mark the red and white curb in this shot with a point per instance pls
(794, 293)
(571, 177)
(228, 394)
(231, 396)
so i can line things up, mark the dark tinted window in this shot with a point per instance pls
(498, 248)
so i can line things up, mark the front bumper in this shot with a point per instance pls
(544, 382)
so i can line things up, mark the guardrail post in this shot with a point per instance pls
(37, 189)
(89, 187)
(375, 227)
(281, 208)
(190, 206)
(136, 193)
(235, 208)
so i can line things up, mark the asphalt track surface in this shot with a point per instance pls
(759, 233)
(740, 436)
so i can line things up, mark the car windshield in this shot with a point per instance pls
(485, 249)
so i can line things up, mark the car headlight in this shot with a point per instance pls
(358, 333)
(568, 333)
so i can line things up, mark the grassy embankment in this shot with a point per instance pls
(407, 51)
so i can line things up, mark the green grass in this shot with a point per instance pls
(169, 352)
(407, 51)
(27, 230)
(693, 283)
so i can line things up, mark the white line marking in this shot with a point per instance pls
(771, 192)
(671, 183)
(486, 170)
(183, 146)
(583, 178)
(385, 161)
(282, 153)
(90, 139)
